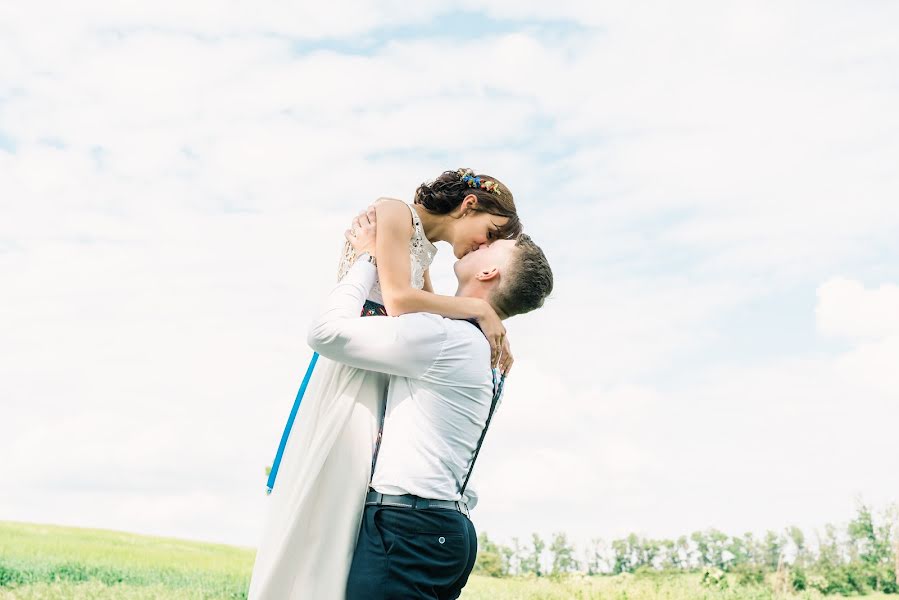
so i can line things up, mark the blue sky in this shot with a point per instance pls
(714, 185)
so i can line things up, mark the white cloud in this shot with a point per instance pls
(846, 308)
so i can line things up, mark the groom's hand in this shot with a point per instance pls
(363, 233)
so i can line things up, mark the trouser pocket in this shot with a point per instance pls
(426, 549)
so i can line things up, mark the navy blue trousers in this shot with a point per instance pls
(405, 553)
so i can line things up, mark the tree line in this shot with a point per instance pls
(858, 557)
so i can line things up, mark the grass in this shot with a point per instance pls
(44, 562)
(625, 587)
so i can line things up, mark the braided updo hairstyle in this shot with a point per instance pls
(444, 195)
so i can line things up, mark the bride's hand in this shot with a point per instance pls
(505, 358)
(495, 331)
(363, 233)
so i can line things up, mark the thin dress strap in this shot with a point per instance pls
(418, 228)
(416, 220)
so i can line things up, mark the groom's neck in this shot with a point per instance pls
(473, 290)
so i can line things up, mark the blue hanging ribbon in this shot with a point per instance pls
(293, 413)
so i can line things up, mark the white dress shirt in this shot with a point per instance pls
(441, 386)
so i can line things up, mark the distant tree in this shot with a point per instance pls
(896, 547)
(594, 557)
(829, 552)
(745, 558)
(621, 557)
(491, 560)
(534, 561)
(710, 547)
(894, 521)
(800, 552)
(636, 550)
(517, 559)
(716, 544)
(508, 555)
(737, 553)
(650, 551)
(754, 549)
(774, 546)
(701, 546)
(872, 546)
(562, 552)
(684, 552)
(669, 557)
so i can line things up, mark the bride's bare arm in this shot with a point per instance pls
(394, 227)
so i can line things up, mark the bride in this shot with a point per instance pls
(315, 510)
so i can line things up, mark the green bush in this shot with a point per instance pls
(798, 579)
(749, 575)
(10, 576)
(714, 578)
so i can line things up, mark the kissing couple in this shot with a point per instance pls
(372, 499)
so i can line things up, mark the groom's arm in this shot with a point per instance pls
(407, 345)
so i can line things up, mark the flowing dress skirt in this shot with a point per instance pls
(315, 509)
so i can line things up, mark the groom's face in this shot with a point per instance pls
(484, 260)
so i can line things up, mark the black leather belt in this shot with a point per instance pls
(409, 501)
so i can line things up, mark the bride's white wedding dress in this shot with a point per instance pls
(315, 510)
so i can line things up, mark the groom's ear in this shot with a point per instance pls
(487, 274)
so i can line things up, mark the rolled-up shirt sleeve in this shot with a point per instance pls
(407, 345)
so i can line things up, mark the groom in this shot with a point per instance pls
(416, 540)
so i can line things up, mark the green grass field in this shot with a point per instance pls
(44, 562)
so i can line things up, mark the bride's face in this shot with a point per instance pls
(474, 230)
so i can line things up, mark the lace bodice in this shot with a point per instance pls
(421, 253)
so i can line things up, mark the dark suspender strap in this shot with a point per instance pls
(497, 392)
(374, 457)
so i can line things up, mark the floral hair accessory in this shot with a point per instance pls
(474, 181)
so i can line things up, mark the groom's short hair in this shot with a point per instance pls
(528, 280)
